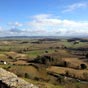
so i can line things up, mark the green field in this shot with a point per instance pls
(43, 62)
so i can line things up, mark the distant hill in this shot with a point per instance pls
(42, 37)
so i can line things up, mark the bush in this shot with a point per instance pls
(26, 75)
(65, 64)
(56, 51)
(36, 78)
(46, 51)
(83, 66)
(67, 73)
(86, 55)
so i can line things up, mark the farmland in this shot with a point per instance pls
(47, 62)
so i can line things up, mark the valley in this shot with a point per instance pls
(47, 62)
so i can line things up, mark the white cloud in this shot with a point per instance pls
(75, 6)
(15, 24)
(1, 29)
(41, 16)
(46, 24)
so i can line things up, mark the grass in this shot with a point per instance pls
(24, 69)
(49, 85)
(72, 72)
(3, 57)
(72, 45)
(5, 66)
(32, 50)
(36, 53)
(81, 44)
(30, 70)
(43, 84)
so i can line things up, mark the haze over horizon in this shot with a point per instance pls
(43, 18)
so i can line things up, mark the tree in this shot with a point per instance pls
(67, 73)
(83, 66)
(26, 75)
(86, 55)
(65, 64)
(46, 51)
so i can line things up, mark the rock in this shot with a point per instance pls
(13, 81)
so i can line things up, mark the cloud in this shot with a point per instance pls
(15, 24)
(1, 29)
(47, 24)
(15, 30)
(43, 22)
(75, 6)
(41, 16)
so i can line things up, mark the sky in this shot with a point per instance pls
(43, 18)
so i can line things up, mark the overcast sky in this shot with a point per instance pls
(43, 17)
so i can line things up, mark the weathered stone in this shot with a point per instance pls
(13, 81)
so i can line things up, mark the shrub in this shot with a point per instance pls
(67, 73)
(46, 51)
(26, 75)
(36, 78)
(86, 55)
(56, 51)
(83, 66)
(65, 64)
